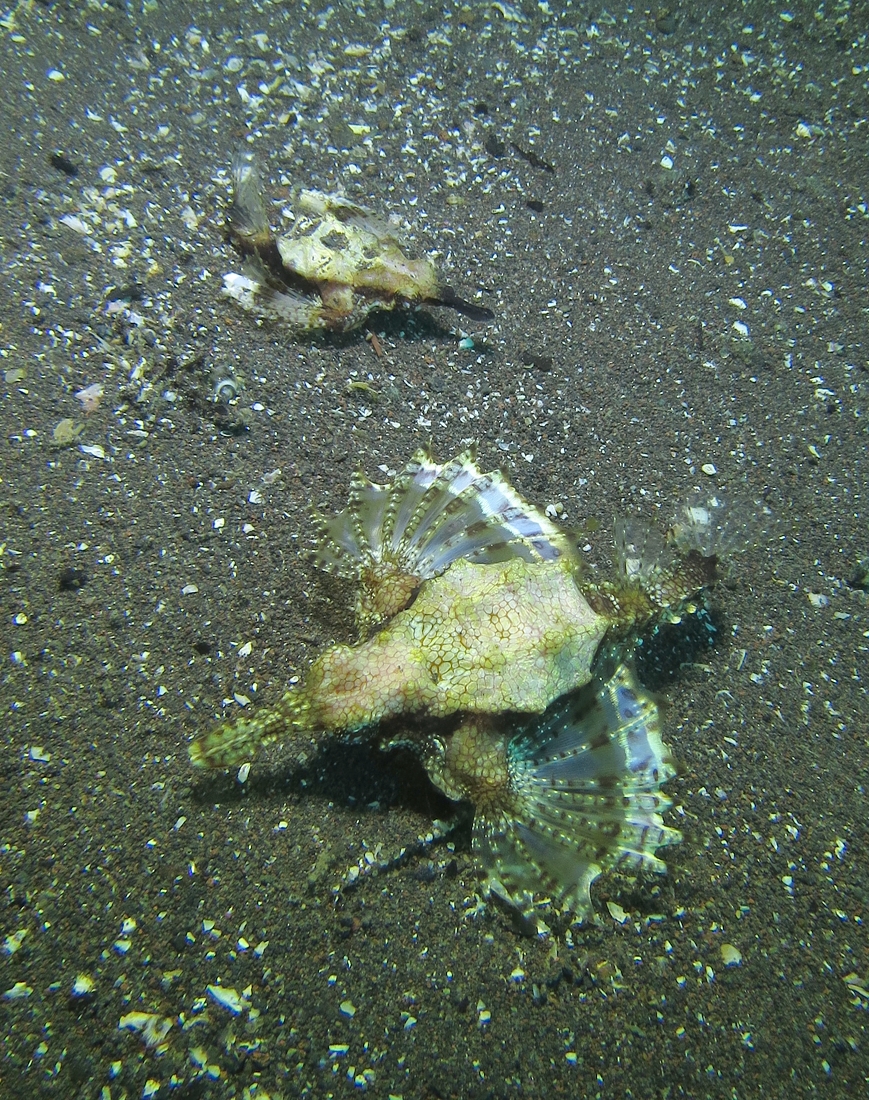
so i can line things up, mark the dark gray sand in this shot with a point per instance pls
(668, 214)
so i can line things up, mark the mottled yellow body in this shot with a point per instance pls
(482, 607)
(510, 636)
(336, 241)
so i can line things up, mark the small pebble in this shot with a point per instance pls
(730, 955)
(226, 997)
(616, 912)
(83, 986)
(17, 992)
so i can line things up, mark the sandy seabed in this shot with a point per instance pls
(668, 214)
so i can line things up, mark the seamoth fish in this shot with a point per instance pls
(486, 647)
(338, 263)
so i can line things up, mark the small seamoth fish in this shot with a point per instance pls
(337, 264)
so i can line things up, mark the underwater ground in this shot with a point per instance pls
(668, 212)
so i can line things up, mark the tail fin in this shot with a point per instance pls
(708, 531)
(657, 582)
(448, 297)
(231, 743)
(573, 793)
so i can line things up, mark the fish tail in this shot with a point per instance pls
(229, 744)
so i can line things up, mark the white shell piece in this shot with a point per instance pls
(227, 998)
(152, 1028)
(83, 985)
(18, 992)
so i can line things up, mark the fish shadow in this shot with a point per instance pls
(355, 774)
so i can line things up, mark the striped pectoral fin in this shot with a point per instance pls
(276, 303)
(583, 796)
(391, 538)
